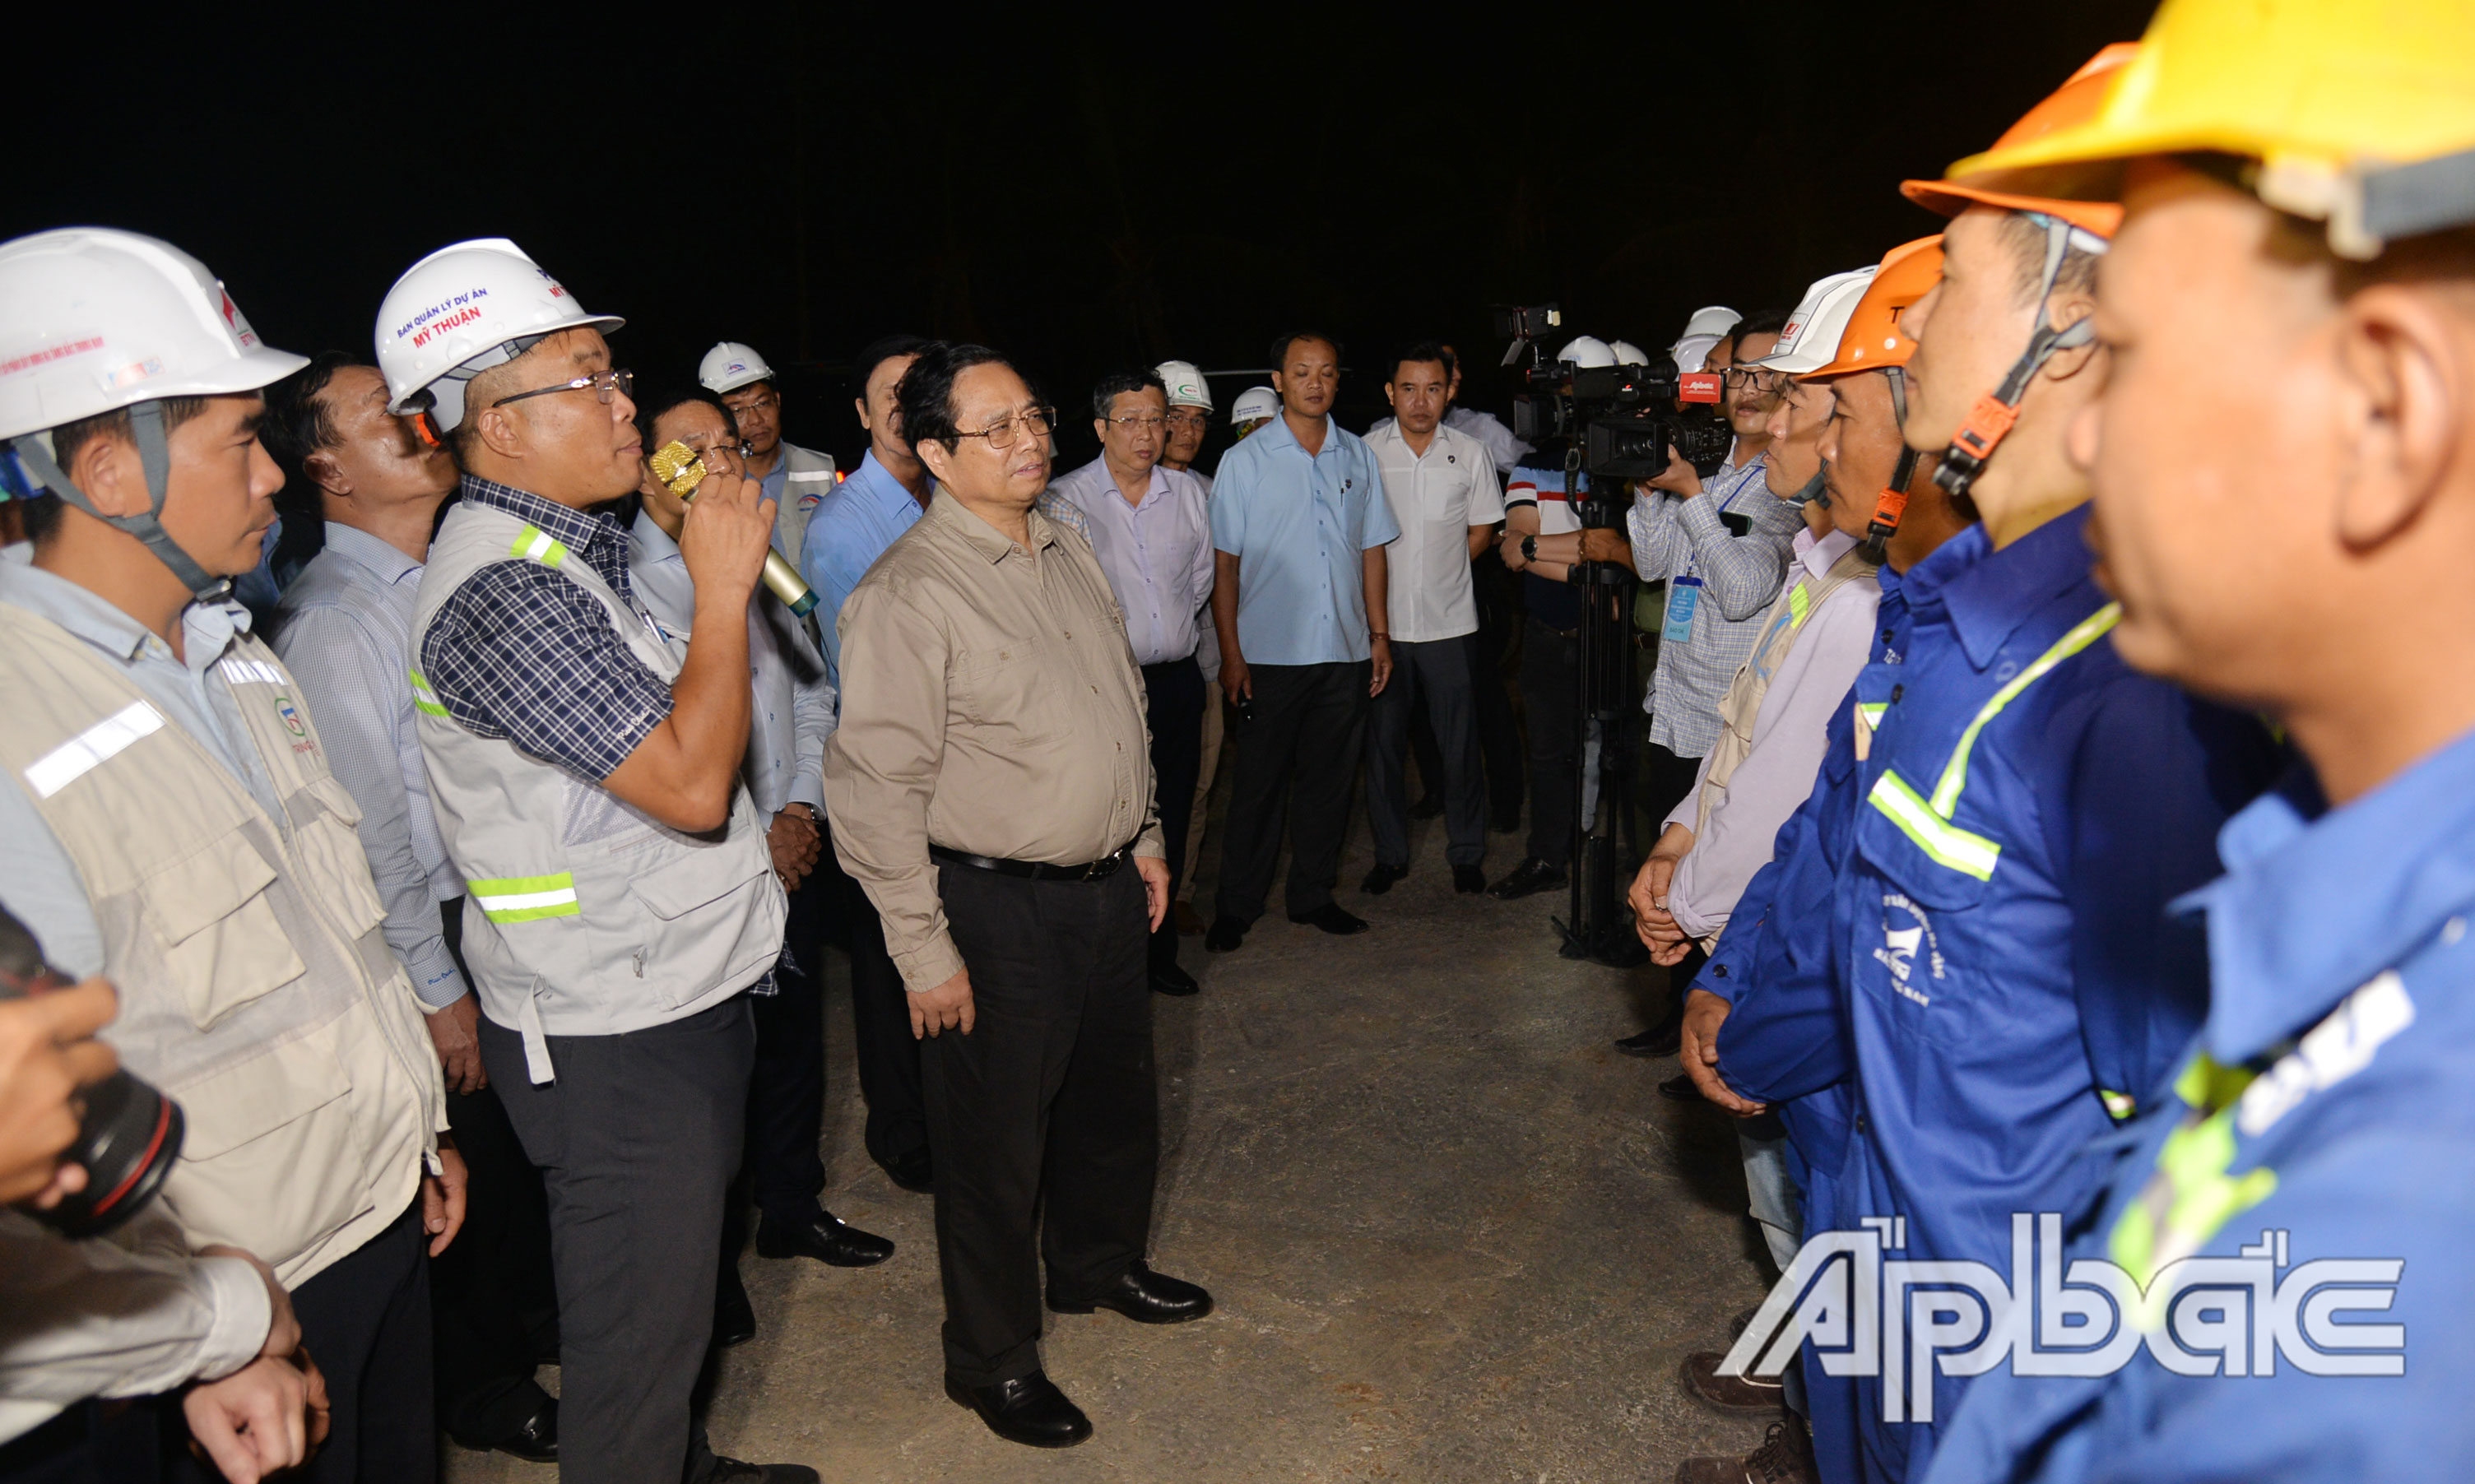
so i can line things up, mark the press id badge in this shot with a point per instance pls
(1683, 595)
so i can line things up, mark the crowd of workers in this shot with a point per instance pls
(476, 919)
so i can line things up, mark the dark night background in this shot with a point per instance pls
(1082, 189)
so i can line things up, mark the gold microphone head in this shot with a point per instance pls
(677, 466)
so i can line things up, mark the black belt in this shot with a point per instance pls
(1038, 870)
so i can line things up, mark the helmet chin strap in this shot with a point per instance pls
(155, 454)
(1893, 502)
(1991, 419)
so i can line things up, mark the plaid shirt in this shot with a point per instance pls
(522, 654)
(1740, 577)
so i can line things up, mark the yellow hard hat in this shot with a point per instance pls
(2336, 99)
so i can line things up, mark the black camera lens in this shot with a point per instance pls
(129, 1134)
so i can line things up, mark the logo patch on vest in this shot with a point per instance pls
(291, 715)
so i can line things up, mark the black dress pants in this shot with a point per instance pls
(1430, 679)
(1045, 1120)
(1499, 734)
(1173, 707)
(492, 1299)
(1297, 764)
(889, 1054)
(1551, 673)
(1670, 778)
(637, 1140)
(786, 1096)
(365, 1321)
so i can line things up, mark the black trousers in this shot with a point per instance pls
(1045, 1119)
(637, 1140)
(1551, 671)
(786, 1094)
(1430, 679)
(1499, 734)
(889, 1055)
(365, 1321)
(1297, 764)
(492, 1303)
(1670, 778)
(1173, 707)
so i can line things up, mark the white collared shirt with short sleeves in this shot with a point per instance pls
(1436, 499)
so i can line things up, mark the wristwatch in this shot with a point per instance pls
(1530, 549)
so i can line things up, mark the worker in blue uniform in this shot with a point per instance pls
(2284, 467)
(2009, 973)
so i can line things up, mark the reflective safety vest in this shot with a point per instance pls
(256, 987)
(583, 916)
(807, 477)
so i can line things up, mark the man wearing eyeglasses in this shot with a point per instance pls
(1722, 550)
(1150, 528)
(991, 789)
(795, 480)
(792, 714)
(585, 766)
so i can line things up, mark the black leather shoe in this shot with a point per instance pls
(1531, 876)
(1333, 917)
(534, 1440)
(1467, 879)
(1432, 807)
(1681, 1089)
(734, 1318)
(828, 1240)
(1665, 1042)
(1226, 934)
(1380, 880)
(913, 1171)
(731, 1471)
(1168, 979)
(1029, 1410)
(1143, 1296)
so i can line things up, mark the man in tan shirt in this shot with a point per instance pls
(990, 789)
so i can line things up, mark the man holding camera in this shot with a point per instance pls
(173, 823)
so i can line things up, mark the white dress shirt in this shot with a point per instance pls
(793, 701)
(1156, 555)
(1436, 497)
(1790, 735)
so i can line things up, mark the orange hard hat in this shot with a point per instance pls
(1872, 339)
(2075, 103)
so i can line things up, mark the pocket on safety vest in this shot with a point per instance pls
(223, 946)
(256, 1169)
(331, 847)
(699, 901)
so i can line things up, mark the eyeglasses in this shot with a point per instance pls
(1003, 433)
(739, 445)
(1188, 417)
(1138, 422)
(1758, 380)
(605, 386)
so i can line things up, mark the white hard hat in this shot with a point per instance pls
(1254, 405)
(1185, 385)
(1628, 354)
(730, 365)
(1810, 339)
(92, 320)
(1586, 350)
(462, 311)
(1713, 320)
(1692, 351)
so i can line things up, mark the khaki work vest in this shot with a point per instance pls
(582, 917)
(255, 985)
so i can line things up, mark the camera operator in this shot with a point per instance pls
(1722, 550)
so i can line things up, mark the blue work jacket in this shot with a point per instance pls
(2012, 975)
(2324, 1114)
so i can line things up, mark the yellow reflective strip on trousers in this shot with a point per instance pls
(1954, 774)
(1947, 844)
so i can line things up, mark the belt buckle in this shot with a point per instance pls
(1092, 871)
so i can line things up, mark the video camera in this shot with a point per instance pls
(1625, 418)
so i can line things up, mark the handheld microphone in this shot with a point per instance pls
(682, 470)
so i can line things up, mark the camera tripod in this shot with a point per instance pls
(1607, 708)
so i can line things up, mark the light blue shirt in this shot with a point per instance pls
(345, 631)
(1298, 526)
(792, 701)
(851, 528)
(39, 883)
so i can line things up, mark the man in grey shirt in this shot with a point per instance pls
(345, 629)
